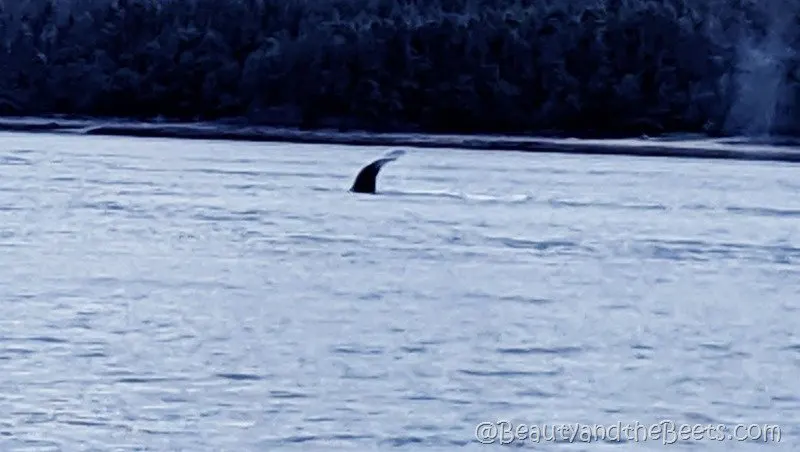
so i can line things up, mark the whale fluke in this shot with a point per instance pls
(365, 180)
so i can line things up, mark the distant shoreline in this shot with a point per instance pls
(677, 146)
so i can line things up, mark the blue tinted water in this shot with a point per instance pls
(187, 295)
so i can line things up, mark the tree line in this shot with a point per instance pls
(602, 67)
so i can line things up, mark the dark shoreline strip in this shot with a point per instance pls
(645, 148)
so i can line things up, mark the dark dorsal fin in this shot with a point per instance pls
(365, 180)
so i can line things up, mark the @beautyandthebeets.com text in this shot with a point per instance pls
(667, 432)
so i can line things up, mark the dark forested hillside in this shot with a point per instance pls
(602, 66)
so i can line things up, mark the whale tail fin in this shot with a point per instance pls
(366, 179)
(394, 154)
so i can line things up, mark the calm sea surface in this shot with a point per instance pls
(165, 295)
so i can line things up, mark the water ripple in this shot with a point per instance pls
(540, 350)
(510, 373)
(709, 251)
(199, 295)
(765, 211)
(14, 160)
(239, 376)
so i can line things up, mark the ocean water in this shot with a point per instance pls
(164, 294)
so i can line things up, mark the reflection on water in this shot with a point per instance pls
(189, 295)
